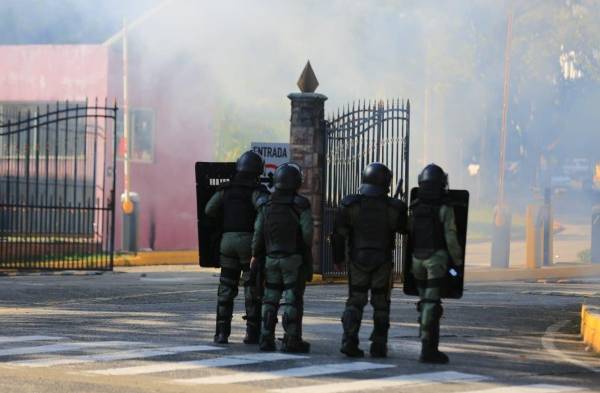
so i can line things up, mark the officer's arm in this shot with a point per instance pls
(342, 221)
(306, 223)
(215, 203)
(258, 239)
(454, 248)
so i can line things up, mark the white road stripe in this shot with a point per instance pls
(388, 382)
(538, 388)
(225, 361)
(307, 371)
(109, 357)
(52, 348)
(20, 339)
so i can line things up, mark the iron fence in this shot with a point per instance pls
(57, 187)
(365, 132)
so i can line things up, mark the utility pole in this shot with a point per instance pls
(502, 220)
(126, 203)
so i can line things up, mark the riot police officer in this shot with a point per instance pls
(434, 241)
(283, 232)
(235, 204)
(368, 222)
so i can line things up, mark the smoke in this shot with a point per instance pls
(225, 68)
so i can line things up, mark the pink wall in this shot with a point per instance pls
(53, 72)
(177, 92)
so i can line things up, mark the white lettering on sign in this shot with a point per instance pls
(274, 155)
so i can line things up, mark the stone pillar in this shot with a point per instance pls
(307, 141)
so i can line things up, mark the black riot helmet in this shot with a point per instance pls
(288, 177)
(376, 180)
(433, 182)
(250, 162)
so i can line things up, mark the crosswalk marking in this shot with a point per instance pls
(20, 339)
(53, 348)
(324, 369)
(381, 383)
(225, 361)
(108, 357)
(537, 388)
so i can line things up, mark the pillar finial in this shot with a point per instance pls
(308, 82)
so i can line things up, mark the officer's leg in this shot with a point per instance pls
(228, 290)
(292, 305)
(351, 318)
(420, 275)
(431, 312)
(273, 288)
(250, 294)
(380, 300)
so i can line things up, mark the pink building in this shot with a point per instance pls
(168, 135)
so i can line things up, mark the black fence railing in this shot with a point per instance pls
(358, 135)
(57, 187)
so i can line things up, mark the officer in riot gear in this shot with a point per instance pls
(283, 232)
(434, 244)
(235, 204)
(368, 222)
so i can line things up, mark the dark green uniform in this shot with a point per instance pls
(283, 232)
(370, 224)
(430, 261)
(235, 203)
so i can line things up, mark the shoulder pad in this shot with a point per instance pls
(223, 186)
(350, 199)
(301, 202)
(397, 203)
(263, 200)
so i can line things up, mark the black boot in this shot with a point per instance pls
(293, 344)
(252, 334)
(381, 325)
(429, 348)
(267, 344)
(350, 347)
(378, 350)
(222, 332)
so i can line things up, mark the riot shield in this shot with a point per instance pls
(209, 175)
(454, 281)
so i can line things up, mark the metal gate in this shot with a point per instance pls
(57, 187)
(356, 136)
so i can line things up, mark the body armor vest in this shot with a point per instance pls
(238, 211)
(372, 237)
(282, 227)
(427, 230)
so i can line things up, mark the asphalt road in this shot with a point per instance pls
(136, 331)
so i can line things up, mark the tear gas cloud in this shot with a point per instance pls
(447, 57)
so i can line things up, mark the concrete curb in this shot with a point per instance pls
(550, 272)
(590, 326)
(152, 258)
(13, 273)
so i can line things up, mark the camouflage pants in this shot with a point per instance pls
(378, 280)
(429, 274)
(283, 278)
(235, 261)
